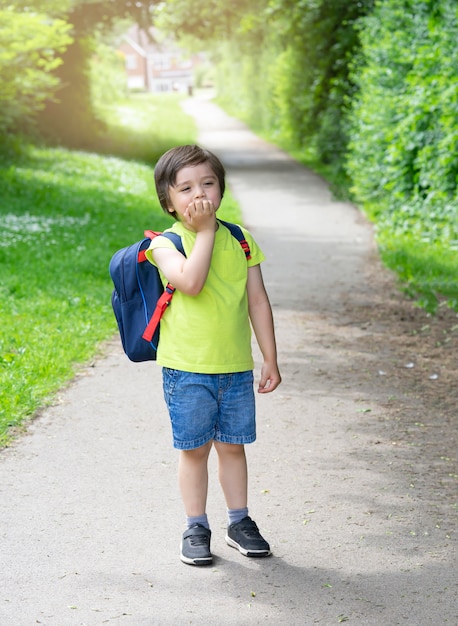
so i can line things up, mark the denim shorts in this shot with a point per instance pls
(205, 407)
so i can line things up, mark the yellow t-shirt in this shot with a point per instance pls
(210, 333)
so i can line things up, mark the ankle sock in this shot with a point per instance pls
(200, 519)
(236, 515)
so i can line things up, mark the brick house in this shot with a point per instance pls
(156, 66)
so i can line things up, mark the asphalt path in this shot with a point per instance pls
(91, 516)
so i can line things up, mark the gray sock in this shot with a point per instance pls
(200, 519)
(236, 515)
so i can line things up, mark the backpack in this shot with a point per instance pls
(139, 299)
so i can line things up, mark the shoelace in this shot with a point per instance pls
(250, 531)
(198, 540)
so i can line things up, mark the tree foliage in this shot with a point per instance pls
(210, 21)
(30, 50)
(88, 16)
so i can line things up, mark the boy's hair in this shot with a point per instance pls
(170, 163)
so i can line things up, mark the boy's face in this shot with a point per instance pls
(194, 184)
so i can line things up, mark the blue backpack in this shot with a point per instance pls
(139, 299)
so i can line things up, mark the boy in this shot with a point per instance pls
(205, 347)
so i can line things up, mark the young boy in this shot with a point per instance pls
(205, 347)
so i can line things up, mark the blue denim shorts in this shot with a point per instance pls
(203, 407)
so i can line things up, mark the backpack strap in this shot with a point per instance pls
(237, 232)
(176, 240)
(151, 234)
(169, 290)
(159, 311)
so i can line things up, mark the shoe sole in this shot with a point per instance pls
(251, 553)
(198, 562)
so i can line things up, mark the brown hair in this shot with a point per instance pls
(170, 163)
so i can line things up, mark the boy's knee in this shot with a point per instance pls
(229, 449)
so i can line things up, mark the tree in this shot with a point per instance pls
(209, 21)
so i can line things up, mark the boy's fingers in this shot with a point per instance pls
(267, 388)
(200, 207)
(268, 383)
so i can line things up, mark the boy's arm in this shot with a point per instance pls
(188, 274)
(263, 326)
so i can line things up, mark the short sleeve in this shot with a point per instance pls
(257, 255)
(158, 242)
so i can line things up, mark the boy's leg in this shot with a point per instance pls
(193, 481)
(233, 475)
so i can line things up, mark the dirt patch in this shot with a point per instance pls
(422, 348)
(407, 360)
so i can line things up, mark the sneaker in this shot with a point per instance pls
(245, 536)
(195, 546)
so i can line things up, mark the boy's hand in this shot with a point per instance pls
(270, 378)
(200, 215)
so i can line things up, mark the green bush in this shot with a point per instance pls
(403, 149)
(403, 152)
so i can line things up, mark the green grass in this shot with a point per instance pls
(144, 127)
(62, 216)
(427, 271)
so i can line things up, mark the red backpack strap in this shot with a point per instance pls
(173, 237)
(149, 234)
(159, 311)
(169, 290)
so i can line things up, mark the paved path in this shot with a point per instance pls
(91, 517)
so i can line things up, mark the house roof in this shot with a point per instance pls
(149, 43)
(135, 46)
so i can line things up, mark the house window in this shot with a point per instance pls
(161, 63)
(131, 62)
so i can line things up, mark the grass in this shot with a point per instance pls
(427, 271)
(143, 127)
(63, 214)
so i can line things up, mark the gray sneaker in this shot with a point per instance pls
(195, 546)
(245, 536)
